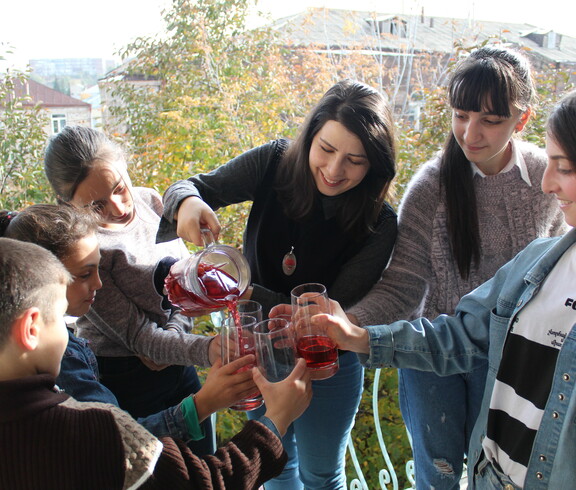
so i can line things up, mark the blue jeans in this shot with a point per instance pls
(316, 442)
(440, 413)
(142, 392)
(487, 477)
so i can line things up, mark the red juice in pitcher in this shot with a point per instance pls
(216, 288)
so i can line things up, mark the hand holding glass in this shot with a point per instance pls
(238, 341)
(312, 342)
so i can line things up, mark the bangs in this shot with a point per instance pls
(481, 87)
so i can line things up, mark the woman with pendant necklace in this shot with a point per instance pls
(319, 214)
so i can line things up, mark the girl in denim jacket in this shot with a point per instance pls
(523, 323)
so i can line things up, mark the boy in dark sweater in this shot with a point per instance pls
(50, 440)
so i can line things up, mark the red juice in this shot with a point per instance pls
(248, 404)
(253, 400)
(317, 350)
(217, 286)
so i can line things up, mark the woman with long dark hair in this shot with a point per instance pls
(319, 215)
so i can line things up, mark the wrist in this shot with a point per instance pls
(190, 415)
(203, 410)
(279, 422)
(180, 204)
(363, 341)
(265, 420)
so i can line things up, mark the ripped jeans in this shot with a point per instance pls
(440, 412)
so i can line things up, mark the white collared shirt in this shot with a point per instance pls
(516, 159)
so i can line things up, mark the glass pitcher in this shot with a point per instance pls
(210, 279)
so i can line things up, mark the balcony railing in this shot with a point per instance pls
(387, 477)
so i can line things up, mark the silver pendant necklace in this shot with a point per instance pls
(289, 262)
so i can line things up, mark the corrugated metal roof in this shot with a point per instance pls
(340, 29)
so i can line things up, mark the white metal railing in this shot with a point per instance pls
(386, 476)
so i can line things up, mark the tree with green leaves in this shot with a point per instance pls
(22, 140)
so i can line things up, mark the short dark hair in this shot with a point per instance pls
(56, 228)
(29, 276)
(71, 154)
(561, 125)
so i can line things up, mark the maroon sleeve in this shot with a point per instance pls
(252, 457)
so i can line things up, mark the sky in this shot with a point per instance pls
(98, 29)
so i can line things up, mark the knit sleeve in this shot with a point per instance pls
(234, 182)
(253, 456)
(403, 285)
(122, 322)
(141, 449)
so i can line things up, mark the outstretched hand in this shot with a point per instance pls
(192, 215)
(224, 386)
(342, 331)
(285, 400)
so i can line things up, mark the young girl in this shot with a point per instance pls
(464, 214)
(70, 234)
(318, 215)
(523, 323)
(130, 318)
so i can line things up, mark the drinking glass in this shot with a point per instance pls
(238, 341)
(243, 307)
(312, 342)
(250, 307)
(275, 349)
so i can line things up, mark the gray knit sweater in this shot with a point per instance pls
(128, 316)
(422, 278)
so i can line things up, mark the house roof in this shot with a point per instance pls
(45, 96)
(341, 29)
(124, 72)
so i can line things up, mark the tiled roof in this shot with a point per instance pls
(45, 96)
(341, 29)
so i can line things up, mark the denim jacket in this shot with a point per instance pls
(478, 330)
(79, 378)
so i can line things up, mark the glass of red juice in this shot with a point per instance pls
(312, 342)
(237, 333)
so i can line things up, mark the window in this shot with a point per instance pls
(58, 122)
